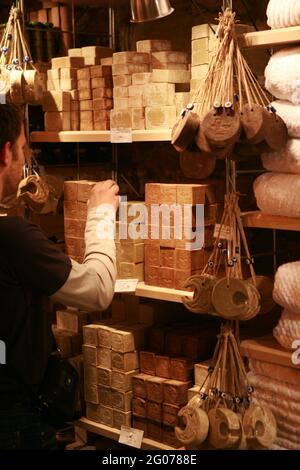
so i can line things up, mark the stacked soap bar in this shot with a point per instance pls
(145, 85)
(68, 86)
(129, 240)
(172, 253)
(110, 361)
(76, 194)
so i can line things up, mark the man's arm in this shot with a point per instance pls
(90, 286)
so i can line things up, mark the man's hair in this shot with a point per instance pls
(11, 120)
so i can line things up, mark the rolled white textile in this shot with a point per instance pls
(288, 329)
(286, 160)
(283, 75)
(286, 287)
(283, 13)
(288, 392)
(278, 194)
(290, 113)
(276, 371)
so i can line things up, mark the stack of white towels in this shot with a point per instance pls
(278, 192)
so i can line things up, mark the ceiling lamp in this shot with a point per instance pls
(149, 10)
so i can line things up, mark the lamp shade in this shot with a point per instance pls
(149, 10)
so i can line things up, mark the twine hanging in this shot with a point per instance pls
(22, 81)
(222, 415)
(231, 106)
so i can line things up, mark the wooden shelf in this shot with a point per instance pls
(257, 219)
(114, 434)
(99, 136)
(271, 38)
(268, 350)
(161, 293)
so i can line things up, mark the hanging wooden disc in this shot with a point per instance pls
(185, 130)
(16, 86)
(230, 298)
(254, 303)
(202, 286)
(221, 129)
(225, 430)
(255, 123)
(34, 191)
(260, 427)
(32, 86)
(203, 145)
(265, 287)
(196, 426)
(197, 165)
(277, 136)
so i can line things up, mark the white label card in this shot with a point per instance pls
(131, 437)
(223, 232)
(121, 136)
(126, 285)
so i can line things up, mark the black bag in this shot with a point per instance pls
(59, 391)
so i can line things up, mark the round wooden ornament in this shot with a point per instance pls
(203, 145)
(230, 298)
(203, 287)
(185, 130)
(260, 427)
(221, 129)
(277, 135)
(196, 426)
(225, 430)
(34, 192)
(197, 165)
(255, 123)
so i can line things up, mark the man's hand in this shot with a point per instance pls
(105, 192)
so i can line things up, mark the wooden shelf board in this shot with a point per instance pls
(270, 38)
(257, 219)
(114, 434)
(268, 350)
(161, 293)
(99, 136)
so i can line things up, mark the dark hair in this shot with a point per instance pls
(11, 120)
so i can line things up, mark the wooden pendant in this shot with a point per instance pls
(203, 145)
(230, 298)
(221, 128)
(185, 130)
(225, 430)
(197, 165)
(255, 123)
(260, 427)
(203, 287)
(277, 134)
(196, 426)
(34, 192)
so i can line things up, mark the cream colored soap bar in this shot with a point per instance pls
(135, 101)
(56, 101)
(136, 90)
(53, 74)
(199, 71)
(129, 69)
(96, 51)
(86, 105)
(132, 271)
(122, 80)
(153, 45)
(84, 84)
(181, 100)
(103, 103)
(161, 117)
(68, 73)
(85, 94)
(70, 62)
(156, 64)
(159, 94)
(68, 83)
(102, 93)
(120, 118)
(131, 58)
(91, 61)
(141, 78)
(171, 56)
(107, 61)
(84, 73)
(57, 121)
(200, 52)
(121, 92)
(121, 103)
(171, 76)
(76, 52)
(101, 115)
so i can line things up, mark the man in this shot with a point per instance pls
(32, 269)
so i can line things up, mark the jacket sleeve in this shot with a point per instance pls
(90, 285)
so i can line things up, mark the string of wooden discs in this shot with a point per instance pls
(222, 415)
(20, 80)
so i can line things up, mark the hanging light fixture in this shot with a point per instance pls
(149, 10)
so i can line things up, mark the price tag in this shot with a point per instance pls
(2, 92)
(131, 437)
(126, 285)
(121, 136)
(223, 232)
